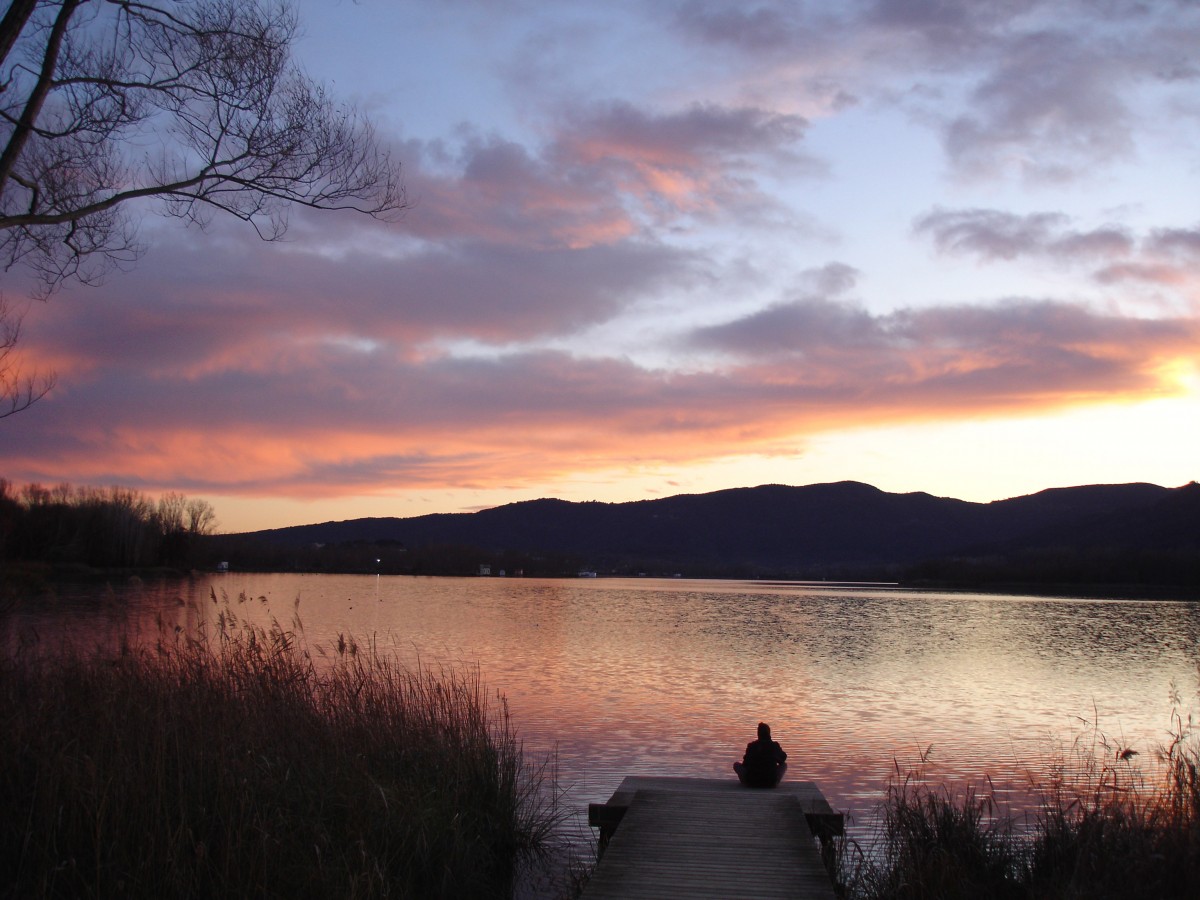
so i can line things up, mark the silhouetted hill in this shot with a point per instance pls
(1172, 521)
(817, 530)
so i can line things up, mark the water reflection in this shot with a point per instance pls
(668, 677)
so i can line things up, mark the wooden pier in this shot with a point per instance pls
(710, 837)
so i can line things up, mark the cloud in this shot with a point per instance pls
(1050, 106)
(967, 335)
(790, 328)
(327, 418)
(1167, 257)
(1164, 258)
(771, 28)
(701, 161)
(937, 362)
(1067, 87)
(487, 189)
(813, 320)
(698, 137)
(1180, 243)
(606, 172)
(180, 313)
(990, 235)
(1046, 90)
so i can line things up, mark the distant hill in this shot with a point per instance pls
(817, 530)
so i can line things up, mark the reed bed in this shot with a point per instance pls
(228, 762)
(1108, 825)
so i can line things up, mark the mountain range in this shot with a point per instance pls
(821, 530)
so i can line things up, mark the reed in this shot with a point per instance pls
(229, 762)
(932, 841)
(1108, 825)
(1112, 827)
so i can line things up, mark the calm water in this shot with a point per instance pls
(671, 677)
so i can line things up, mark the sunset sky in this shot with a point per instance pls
(673, 247)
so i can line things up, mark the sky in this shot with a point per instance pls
(674, 247)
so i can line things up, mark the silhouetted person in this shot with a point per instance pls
(764, 762)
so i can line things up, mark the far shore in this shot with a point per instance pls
(18, 577)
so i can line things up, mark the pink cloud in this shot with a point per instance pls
(495, 191)
(604, 171)
(693, 162)
(178, 313)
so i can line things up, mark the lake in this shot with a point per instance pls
(624, 676)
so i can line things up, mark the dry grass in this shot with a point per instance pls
(1112, 827)
(1109, 826)
(228, 763)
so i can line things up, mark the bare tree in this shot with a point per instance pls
(170, 512)
(201, 517)
(194, 102)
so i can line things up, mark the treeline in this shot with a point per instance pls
(1063, 567)
(254, 553)
(111, 527)
(260, 552)
(1099, 571)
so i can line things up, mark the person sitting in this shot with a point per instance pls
(764, 763)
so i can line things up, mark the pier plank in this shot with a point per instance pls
(704, 843)
(822, 819)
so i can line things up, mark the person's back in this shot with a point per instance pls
(764, 762)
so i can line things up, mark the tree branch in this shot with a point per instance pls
(209, 84)
(33, 106)
(13, 24)
(17, 391)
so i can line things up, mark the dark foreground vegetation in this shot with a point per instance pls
(1108, 827)
(233, 763)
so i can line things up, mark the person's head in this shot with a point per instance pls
(764, 731)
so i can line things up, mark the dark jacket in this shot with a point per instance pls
(761, 759)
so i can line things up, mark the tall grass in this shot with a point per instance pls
(1108, 826)
(229, 763)
(1111, 827)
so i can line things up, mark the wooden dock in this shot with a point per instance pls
(707, 837)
